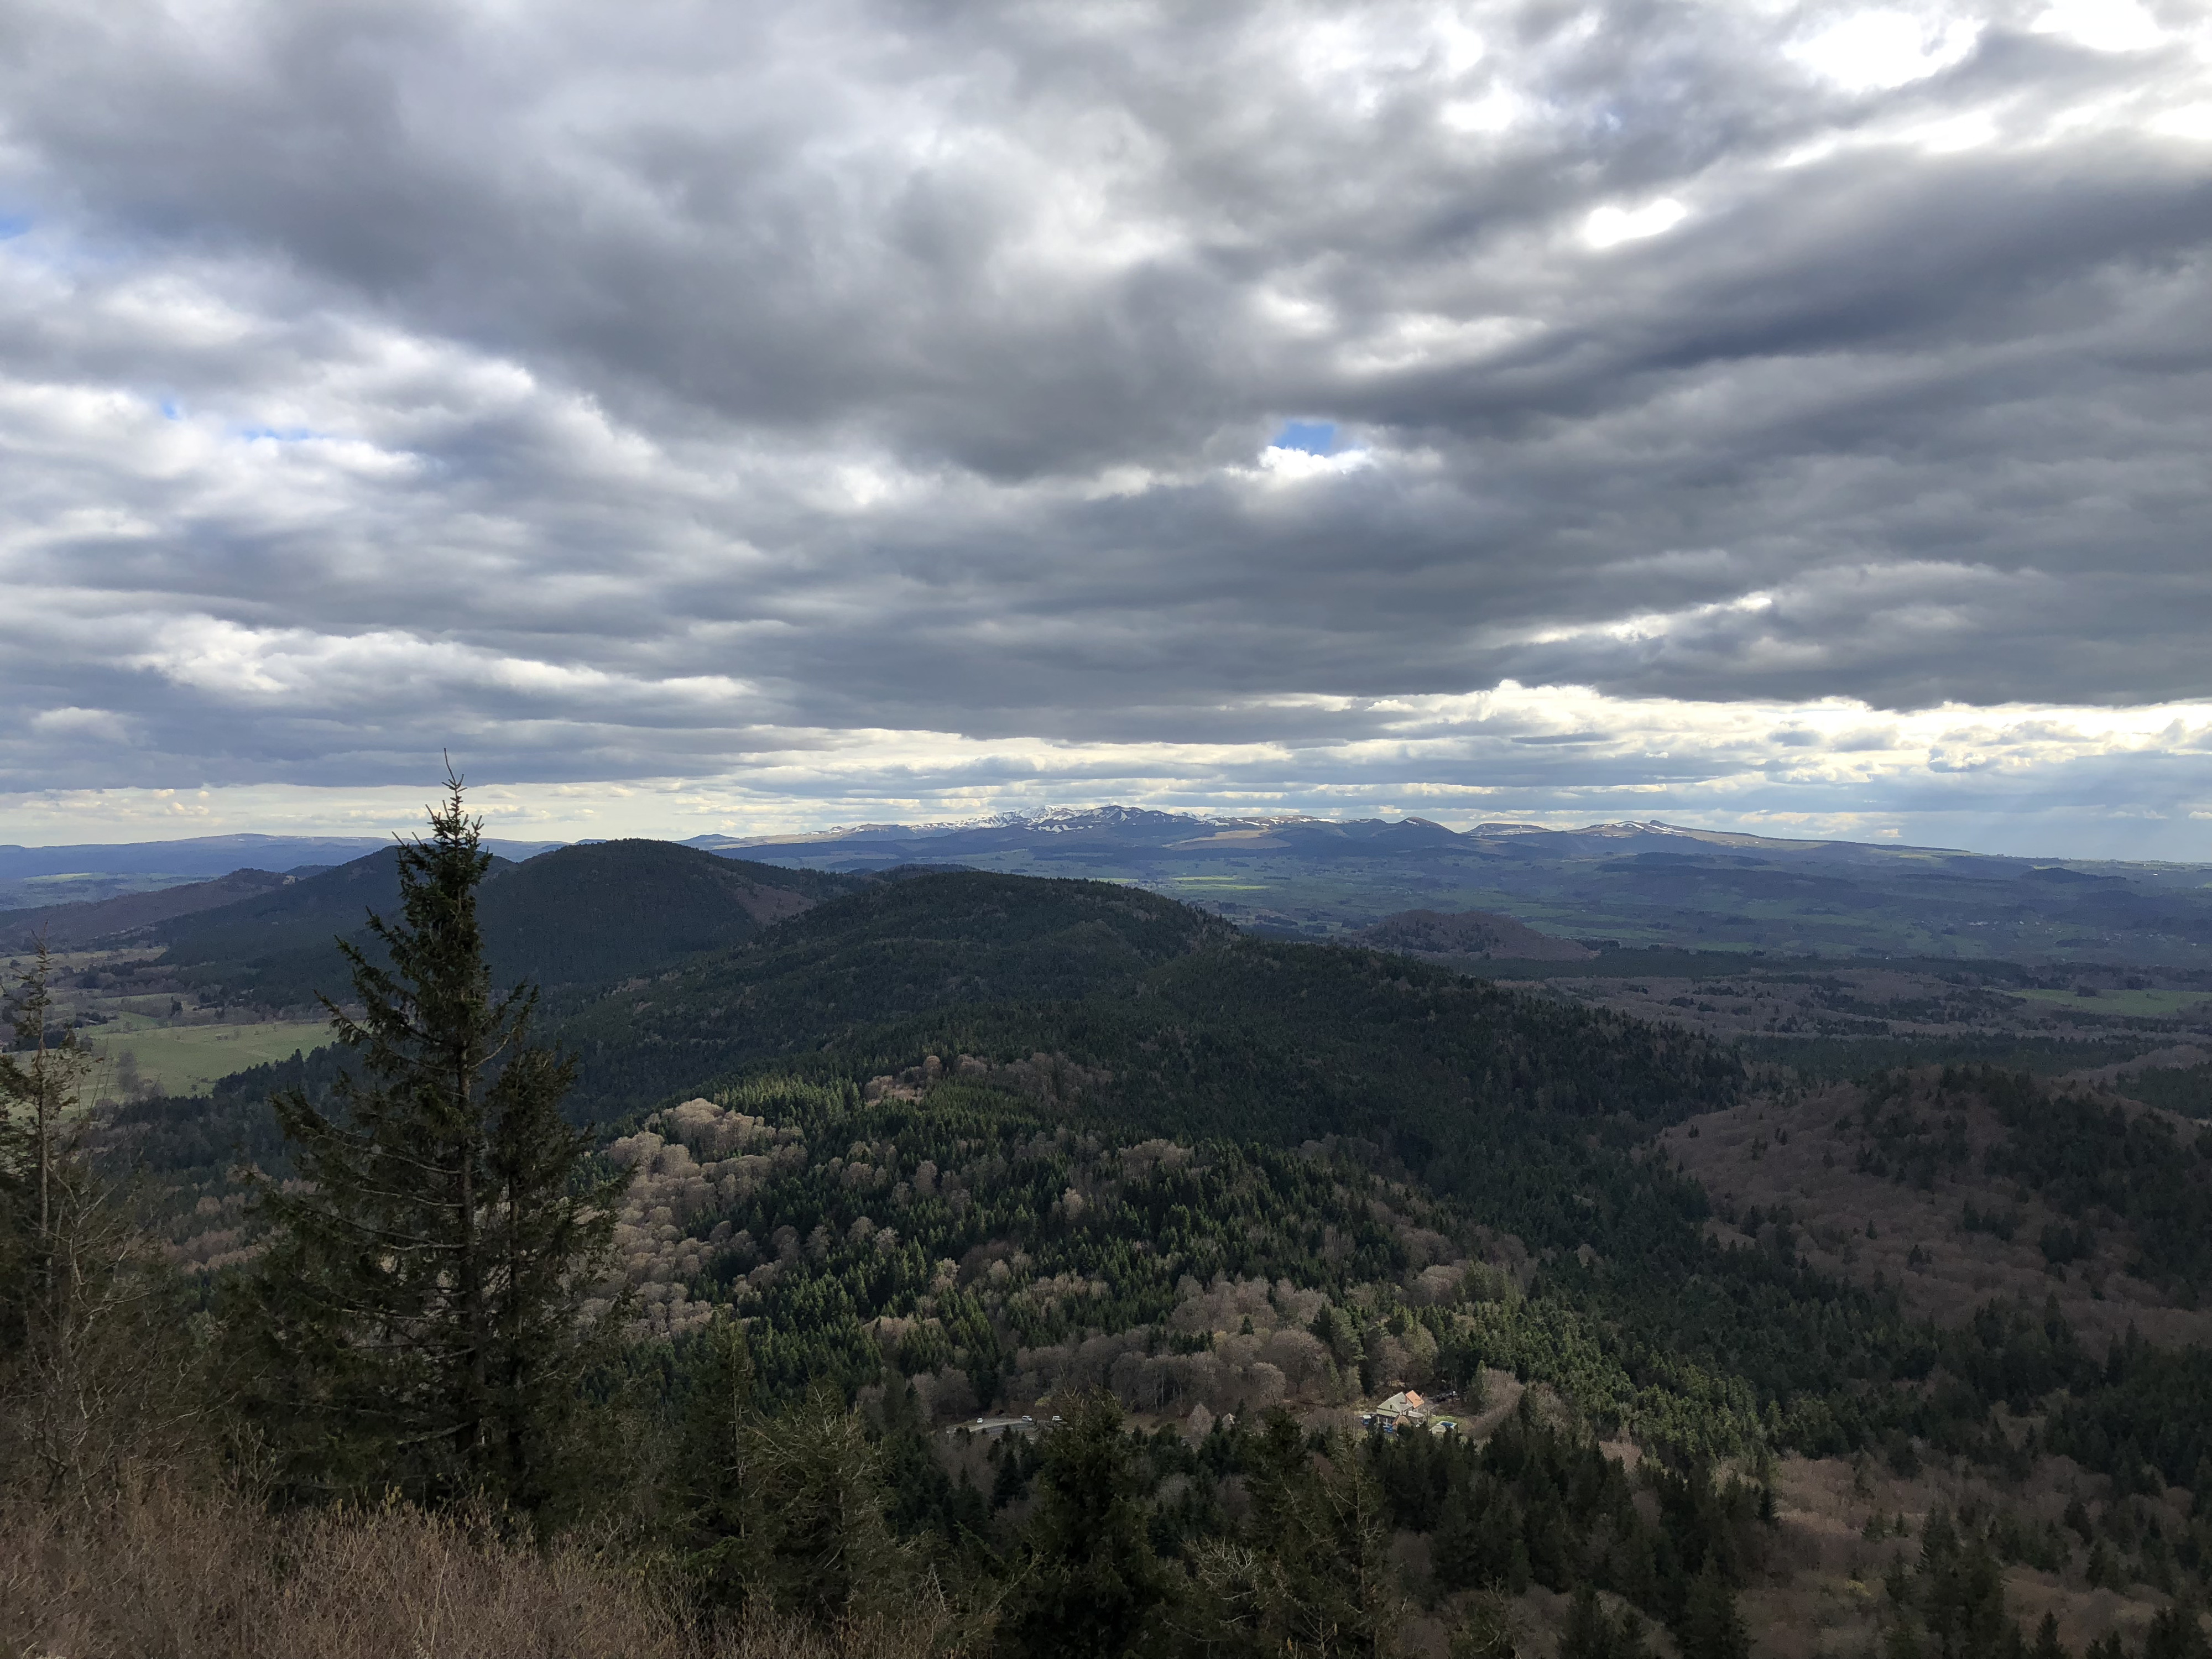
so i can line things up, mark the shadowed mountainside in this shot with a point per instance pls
(65, 926)
(1193, 1026)
(577, 914)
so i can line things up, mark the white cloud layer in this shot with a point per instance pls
(2112, 782)
(773, 415)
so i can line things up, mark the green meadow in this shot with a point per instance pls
(185, 1060)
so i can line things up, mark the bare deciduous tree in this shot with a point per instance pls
(94, 1380)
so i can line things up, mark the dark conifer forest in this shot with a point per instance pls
(672, 1255)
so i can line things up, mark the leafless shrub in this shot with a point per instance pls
(159, 1571)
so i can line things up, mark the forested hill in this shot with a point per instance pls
(577, 914)
(897, 950)
(1118, 1009)
(585, 913)
(961, 1142)
(1124, 1009)
(1185, 1022)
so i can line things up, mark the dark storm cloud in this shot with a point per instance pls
(621, 394)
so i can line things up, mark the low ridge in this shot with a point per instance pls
(1479, 933)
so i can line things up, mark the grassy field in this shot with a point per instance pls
(184, 1059)
(2149, 1005)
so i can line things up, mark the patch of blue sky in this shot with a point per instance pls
(13, 225)
(171, 410)
(1314, 437)
(282, 435)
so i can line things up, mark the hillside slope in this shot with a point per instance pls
(582, 915)
(578, 914)
(894, 951)
(1477, 934)
(1957, 1184)
(1119, 1008)
(67, 927)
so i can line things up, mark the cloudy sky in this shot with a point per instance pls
(710, 417)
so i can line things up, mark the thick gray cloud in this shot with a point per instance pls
(682, 392)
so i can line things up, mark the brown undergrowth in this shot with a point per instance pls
(200, 1576)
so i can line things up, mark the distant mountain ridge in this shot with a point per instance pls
(1641, 882)
(1147, 826)
(213, 855)
(46, 878)
(65, 926)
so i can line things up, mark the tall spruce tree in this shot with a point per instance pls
(421, 1302)
(1092, 1586)
(1711, 1627)
(1312, 1576)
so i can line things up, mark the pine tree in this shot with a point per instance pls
(1093, 1586)
(2102, 1571)
(1312, 1575)
(706, 1481)
(2176, 1632)
(1711, 1627)
(812, 1537)
(2077, 1517)
(95, 1375)
(1477, 1542)
(421, 1301)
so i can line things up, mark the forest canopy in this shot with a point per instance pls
(967, 1263)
